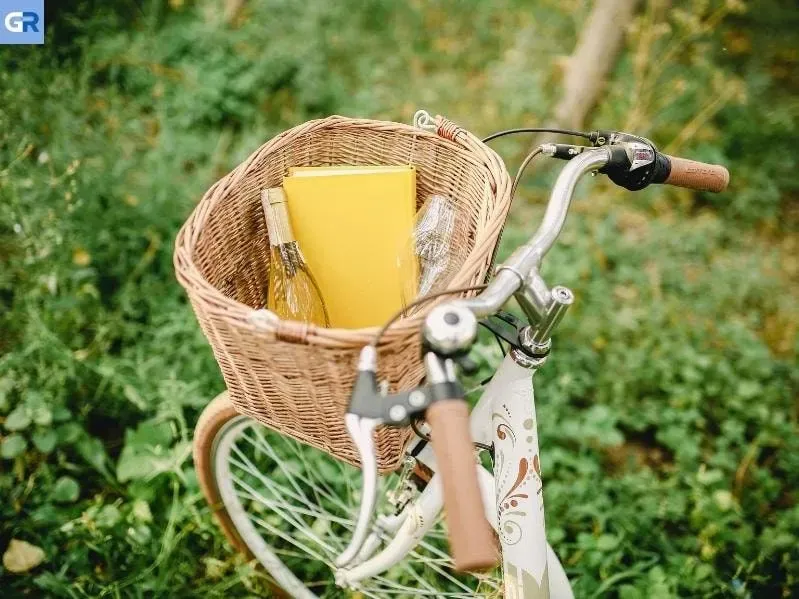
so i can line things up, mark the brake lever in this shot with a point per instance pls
(369, 409)
(360, 430)
(360, 425)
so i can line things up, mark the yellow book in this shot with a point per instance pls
(354, 227)
(343, 169)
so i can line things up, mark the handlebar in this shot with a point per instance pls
(521, 268)
(630, 161)
(691, 174)
(471, 547)
(471, 540)
(635, 163)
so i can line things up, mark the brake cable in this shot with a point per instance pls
(536, 130)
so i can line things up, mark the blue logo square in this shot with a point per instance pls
(21, 21)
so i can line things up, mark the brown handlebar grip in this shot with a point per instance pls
(697, 175)
(471, 539)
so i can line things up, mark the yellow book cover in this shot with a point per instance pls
(343, 169)
(355, 230)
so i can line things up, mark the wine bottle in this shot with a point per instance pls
(293, 293)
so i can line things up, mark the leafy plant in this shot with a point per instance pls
(667, 411)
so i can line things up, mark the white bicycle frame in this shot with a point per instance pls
(504, 418)
(513, 495)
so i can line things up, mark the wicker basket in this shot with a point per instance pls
(296, 378)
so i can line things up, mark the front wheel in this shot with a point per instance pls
(293, 508)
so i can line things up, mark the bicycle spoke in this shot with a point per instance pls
(442, 573)
(272, 486)
(345, 476)
(297, 522)
(276, 531)
(388, 587)
(309, 471)
(266, 447)
(303, 504)
(251, 469)
(246, 465)
(299, 510)
(262, 444)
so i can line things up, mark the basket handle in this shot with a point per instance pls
(292, 331)
(284, 330)
(441, 125)
(450, 130)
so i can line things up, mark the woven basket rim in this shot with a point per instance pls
(239, 314)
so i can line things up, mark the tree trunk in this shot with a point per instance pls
(232, 10)
(594, 56)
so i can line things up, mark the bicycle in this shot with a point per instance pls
(294, 508)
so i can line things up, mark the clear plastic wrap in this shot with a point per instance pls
(433, 233)
(432, 239)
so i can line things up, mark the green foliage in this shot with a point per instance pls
(65, 490)
(668, 408)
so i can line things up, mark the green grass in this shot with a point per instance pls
(668, 409)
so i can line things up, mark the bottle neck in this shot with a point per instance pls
(278, 226)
